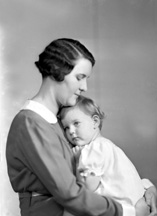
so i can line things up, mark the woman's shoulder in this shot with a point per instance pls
(29, 119)
(26, 114)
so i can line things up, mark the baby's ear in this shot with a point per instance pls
(96, 121)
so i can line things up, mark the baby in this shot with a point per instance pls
(104, 168)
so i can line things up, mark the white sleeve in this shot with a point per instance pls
(147, 183)
(93, 159)
(128, 210)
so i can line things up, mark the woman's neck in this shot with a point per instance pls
(46, 97)
(45, 102)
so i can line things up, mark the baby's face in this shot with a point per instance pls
(79, 127)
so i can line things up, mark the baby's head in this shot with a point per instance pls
(82, 121)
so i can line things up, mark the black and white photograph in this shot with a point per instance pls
(78, 107)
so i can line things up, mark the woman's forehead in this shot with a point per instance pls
(83, 65)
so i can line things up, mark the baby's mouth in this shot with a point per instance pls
(75, 139)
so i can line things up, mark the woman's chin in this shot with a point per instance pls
(71, 102)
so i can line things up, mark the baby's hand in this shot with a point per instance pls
(142, 208)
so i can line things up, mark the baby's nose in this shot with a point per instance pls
(72, 130)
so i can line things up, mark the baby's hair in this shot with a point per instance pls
(60, 57)
(88, 106)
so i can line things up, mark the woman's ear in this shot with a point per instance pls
(96, 121)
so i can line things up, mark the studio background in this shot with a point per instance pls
(122, 35)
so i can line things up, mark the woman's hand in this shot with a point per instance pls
(142, 208)
(151, 200)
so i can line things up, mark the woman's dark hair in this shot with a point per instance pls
(60, 56)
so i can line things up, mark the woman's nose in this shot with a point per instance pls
(83, 86)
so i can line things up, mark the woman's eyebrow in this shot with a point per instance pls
(82, 74)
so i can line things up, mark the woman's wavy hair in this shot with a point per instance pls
(60, 56)
(88, 106)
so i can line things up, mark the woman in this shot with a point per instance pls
(40, 163)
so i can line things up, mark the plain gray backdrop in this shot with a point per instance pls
(122, 35)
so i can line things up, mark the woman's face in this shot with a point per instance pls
(74, 83)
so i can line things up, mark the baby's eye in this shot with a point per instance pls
(65, 128)
(76, 123)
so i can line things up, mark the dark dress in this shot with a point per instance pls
(39, 159)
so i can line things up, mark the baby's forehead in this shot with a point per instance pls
(73, 113)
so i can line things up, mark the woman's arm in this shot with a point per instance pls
(45, 154)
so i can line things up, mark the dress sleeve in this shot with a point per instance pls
(44, 154)
(128, 210)
(146, 183)
(95, 158)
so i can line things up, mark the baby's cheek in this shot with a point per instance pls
(67, 136)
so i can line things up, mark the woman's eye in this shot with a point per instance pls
(80, 77)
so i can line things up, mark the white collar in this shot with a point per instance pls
(40, 109)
